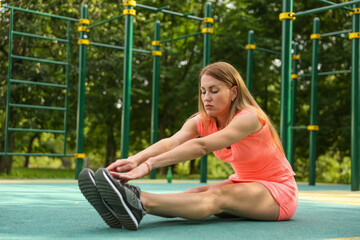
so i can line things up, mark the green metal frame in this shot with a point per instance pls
(293, 104)
(250, 62)
(286, 45)
(81, 96)
(155, 93)
(125, 123)
(355, 85)
(11, 81)
(355, 106)
(314, 103)
(206, 61)
(128, 48)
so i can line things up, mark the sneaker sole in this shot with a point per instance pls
(114, 198)
(88, 188)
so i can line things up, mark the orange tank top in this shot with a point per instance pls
(254, 157)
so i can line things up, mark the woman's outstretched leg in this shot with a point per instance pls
(249, 200)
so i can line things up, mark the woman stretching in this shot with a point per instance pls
(234, 127)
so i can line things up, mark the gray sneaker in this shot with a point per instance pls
(88, 188)
(124, 199)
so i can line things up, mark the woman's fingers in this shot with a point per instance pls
(114, 165)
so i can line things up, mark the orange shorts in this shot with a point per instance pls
(286, 195)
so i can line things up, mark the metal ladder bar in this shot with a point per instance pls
(35, 130)
(36, 107)
(38, 83)
(39, 60)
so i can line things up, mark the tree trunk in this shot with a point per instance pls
(29, 149)
(192, 167)
(6, 161)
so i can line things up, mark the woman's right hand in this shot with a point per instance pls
(122, 165)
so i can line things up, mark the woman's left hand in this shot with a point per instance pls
(135, 173)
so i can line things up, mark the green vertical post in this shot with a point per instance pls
(9, 82)
(313, 104)
(250, 61)
(294, 78)
(81, 95)
(286, 39)
(206, 61)
(355, 111)
(125, 118)
(67, 83)
(155, 89)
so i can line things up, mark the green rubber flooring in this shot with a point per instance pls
(57, 210)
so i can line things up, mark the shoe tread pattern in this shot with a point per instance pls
(107, 193)
(91, 194)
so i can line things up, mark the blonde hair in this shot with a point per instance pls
(226, 73)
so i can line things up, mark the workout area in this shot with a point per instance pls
(189, 120)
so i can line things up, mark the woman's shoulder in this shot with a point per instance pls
(243, 112)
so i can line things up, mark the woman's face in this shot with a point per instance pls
(216, 96)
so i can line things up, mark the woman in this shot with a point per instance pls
(234, 127)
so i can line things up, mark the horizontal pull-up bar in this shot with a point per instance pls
(105, 21)
(39, 36)
(268, 51)
(178, 38)
(117, 47)
(326, 73)
(323, 9)
(332, 3)
(40, 13)
(335, 33)
(185, 15)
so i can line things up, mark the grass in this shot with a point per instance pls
(48, 173)
(39, 173)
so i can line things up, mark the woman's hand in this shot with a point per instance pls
(122, 165)
(135, 173)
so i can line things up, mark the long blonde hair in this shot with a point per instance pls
(226, 73)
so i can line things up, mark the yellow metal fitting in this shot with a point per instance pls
(83, 29)
(315, 36)
(156, 43)
(84, 21)
(354, 35)
(79, 155)
(294, 76)
(295, 57)
(129, 3)
(83, 42)
(250, 46)
(313, 128)
(287, 15)
(208, 20)
(207, 30)
(129, 12)
(356, 11)
(156, 53)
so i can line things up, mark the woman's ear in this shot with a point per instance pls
(234, 92)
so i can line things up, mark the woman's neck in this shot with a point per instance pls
(221, 122)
